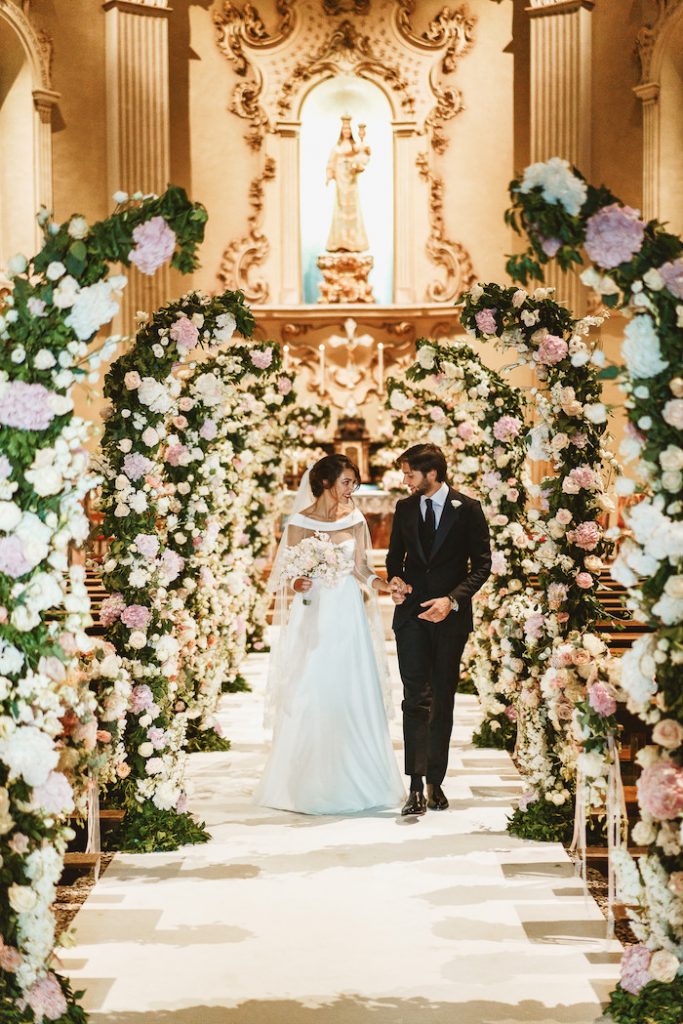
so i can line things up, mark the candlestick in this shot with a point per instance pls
(321, 368)
(380, 367)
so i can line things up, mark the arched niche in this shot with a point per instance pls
(321, 112)
(26, 104)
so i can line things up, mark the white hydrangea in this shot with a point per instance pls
(94, 306)
(226, 326)
(154, 395)
(638, 673)
(641, 351)
(399, 401)
(559, 184)
(29, 753)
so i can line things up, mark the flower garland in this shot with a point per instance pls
(144, 614)
(452, 399)
(60, 299)
(637, 267)
(305, 429)
(571, 552)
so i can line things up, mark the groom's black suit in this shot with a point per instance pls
(429, 652)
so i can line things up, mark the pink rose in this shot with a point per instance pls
(673, 413)
(436, 413)
(180, 422)
(551, 350)
(668, 733)
(584, 580)
(185, 404)
(284, 385)
(185, 334)
(132, 380)
(466, 432)
(660, 790)
(614, 235)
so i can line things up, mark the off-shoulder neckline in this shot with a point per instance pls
(298, 518)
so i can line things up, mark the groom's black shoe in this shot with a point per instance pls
(436, 798)
(415, 804)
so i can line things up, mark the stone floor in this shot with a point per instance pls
(370, 919)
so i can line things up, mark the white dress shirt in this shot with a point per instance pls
(438, 502)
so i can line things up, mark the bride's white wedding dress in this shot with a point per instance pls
(331, 752)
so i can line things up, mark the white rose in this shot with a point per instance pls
(641, 349)
(476, 292)
(46, 480)
(653, 279)
(22, 898)
(10, 515)
(643, 833)
(668, 733)
(671, 458)
(426, 357)
(44, 360)
(65, 294)
(17, 264)
(78, 227)
(664, 966)
(120, 197)
(125, 445)
(672, 481)
(150, 437)
(55, 270)
(595, 412)
(145, 749)
(674, 586)
(137, 639)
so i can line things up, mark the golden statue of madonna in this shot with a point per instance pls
(347, 161)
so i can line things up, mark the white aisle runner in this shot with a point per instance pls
(286, 919)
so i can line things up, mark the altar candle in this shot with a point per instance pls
(380, 366)
(285, 358)
(321, 368)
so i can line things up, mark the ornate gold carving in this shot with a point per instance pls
(661, 11)
(345, 277)
(240, 257)
(333, 8)
(234, 27)
(452, 256)
(38, 42)
(345, 49)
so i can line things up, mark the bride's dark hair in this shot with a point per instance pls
(327, 471)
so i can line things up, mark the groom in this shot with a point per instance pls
(439, 556)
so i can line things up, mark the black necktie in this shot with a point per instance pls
(430, 527)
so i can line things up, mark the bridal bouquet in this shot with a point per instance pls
(316, 558)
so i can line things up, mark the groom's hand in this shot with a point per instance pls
(437, 609)
(399, 590)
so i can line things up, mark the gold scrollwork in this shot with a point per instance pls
(452, 256)
(647, 36)
(240, 257)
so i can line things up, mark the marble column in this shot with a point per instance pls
(405, 154)
(44, 103)
(561, 101)
(289, 219)
(138, 129)
(648, 94)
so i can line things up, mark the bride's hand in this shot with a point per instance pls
(302, 584)
(380, 585)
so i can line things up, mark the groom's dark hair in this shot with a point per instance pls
(423, 457)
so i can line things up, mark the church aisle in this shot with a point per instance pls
(284, 919)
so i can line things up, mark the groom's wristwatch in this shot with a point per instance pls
(454, 603)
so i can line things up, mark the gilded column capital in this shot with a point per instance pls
(149, 7)
(647, 92)
(45, 100)
(543, 8)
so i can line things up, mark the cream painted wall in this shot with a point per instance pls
(17, 173)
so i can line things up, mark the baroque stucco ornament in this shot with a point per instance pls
(277, 66)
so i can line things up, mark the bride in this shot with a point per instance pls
(328, 688)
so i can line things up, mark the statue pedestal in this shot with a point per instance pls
(345, 277)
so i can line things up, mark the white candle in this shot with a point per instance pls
(380, 367)
(321, 368)
(285, 357)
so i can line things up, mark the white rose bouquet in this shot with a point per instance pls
(316, 558)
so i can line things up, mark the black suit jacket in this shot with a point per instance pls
(460, 561)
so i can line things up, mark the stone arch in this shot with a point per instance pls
(27, 101)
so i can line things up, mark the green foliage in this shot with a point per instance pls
(205, 741)
(501, 738)
(146, 829)
(237, 685)
(656, 1003)
(544, 822)
(10, 997)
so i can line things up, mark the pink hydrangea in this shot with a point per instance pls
(436, 414)
(586, 535)
(601, 699)
(634, 968)
(284, 385)
(46, 999)
(185, 334)
(660, 789)
(672, 273)
(157, 737)
(552, 350)
(155, 242)
(111, 609)
(499, 563)
(506, 428)
(141, 699)
(550, 246)
(208, 430)
(557, 595)
(584, 580)
(136, 465)
(13, 561)
(465, 430)
(486, 321)
(136, 616)
(533, 627)
(491, 479)
(176, 455)
(173, 564)
(147, 544)
(262, 360)
(614, 235)
(26, 406)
